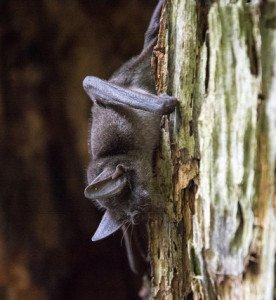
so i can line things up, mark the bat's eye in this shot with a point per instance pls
(135, 217)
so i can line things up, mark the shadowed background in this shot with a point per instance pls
(46, 49)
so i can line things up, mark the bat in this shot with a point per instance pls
(125, 131)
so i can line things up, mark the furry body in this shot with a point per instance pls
(125, 128)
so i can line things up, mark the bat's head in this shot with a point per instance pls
(119, 191)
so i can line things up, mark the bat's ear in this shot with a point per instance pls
(107, 185)
(107, 226)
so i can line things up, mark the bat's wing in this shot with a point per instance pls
(133, 84)
(108, 93)
(137, 72)
(153, 27)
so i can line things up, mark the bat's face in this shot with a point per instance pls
(125, 200)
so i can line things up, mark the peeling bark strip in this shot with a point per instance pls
(215, 234)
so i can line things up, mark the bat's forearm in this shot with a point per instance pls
(110, 94)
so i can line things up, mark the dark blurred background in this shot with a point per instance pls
(46, 49)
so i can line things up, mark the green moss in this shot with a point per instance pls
(229, 179)
(217, 199)
(262, 131)
(228, 145)
(247, 148)
(263, 125)
(237, 241)
(215, 141)
(195, 261)
(246, 32)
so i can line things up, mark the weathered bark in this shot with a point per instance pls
(215, 234)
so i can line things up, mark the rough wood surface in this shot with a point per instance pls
(215, 234)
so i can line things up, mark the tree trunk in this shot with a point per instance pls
(213, 233)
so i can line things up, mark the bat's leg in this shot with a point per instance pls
(111, 94)
(153, 27)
